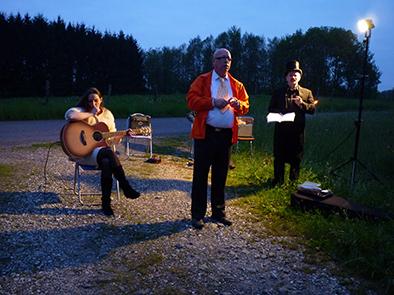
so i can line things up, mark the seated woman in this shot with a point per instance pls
(91, 110)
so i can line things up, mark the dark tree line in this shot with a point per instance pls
(331, 59)
(52, 58)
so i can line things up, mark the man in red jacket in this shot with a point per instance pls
(217, 98)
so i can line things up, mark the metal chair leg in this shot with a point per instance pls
(78, 188)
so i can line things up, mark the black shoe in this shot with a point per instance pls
(131, 193)
(107, 210)
(276, 182)
(222, 220)
(197, 223)
(154, 160)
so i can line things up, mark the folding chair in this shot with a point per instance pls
(142, 127)
(79, 168)
(245, 131)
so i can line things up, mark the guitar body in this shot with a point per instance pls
(78, 138)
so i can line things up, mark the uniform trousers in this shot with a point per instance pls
(288, 148)
(279, 169)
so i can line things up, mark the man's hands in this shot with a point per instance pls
(234, 103)
(297, 100)
(221, 103)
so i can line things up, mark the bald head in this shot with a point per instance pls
(221, 61)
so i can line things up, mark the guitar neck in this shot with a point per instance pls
(142, 130)
(107, 135)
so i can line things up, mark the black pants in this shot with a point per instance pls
(213, 151)
(108, 164)
(279, 169)
(288, 148)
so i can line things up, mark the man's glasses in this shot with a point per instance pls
(223, 57)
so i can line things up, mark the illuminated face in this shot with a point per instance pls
(222, 62)
(94, 100)
(293, 78)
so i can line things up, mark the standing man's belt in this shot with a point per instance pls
(216, 129)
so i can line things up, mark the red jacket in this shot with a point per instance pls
(199, 99)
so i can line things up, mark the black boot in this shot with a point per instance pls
(279, 172)
(106, 188)
(107, 210)
(294, 170)
(128, 191)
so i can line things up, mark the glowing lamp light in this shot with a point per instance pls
(364, 25)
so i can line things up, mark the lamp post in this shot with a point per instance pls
(365, 26)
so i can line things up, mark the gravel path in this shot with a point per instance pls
(49, 244)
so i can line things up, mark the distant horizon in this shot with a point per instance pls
(171, 23)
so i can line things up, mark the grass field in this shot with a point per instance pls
(33, 108)
(362, 247)
(38, 108)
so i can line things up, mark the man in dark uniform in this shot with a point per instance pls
(289, 136)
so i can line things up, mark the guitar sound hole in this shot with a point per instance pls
(82, 137)
(97, 136)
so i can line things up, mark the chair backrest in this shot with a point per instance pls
(245, 126)
(139, 121)
(190, 116)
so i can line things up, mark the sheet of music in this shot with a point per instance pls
(277, 117)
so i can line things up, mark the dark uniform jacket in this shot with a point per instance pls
(289, 136)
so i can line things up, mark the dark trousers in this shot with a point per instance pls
(110, 165)
(279, 169)
(213, 151)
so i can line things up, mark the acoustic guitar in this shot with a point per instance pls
(78, 138)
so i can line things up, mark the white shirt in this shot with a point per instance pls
(216, 118)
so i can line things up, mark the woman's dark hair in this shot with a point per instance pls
(84, 102)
